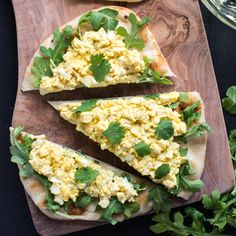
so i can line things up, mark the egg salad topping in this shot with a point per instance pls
(59, 165)
(127, 65)
(135, 119)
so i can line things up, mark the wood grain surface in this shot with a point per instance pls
(179, 30)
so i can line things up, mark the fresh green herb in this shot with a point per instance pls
(161, 197)
(20, 151)
(229, 102)
(130, 208)
(232, 145)
(153, 96)
(184, 182)
(195, 131)
(86, 174)
(100, 67)
(183, 97)
(115, 132)
(150, 75)
(42, 66)
(131, 39)
(162, 171)
(87, 105)
(183, 151)
(174, 105)
(142, 149)
(105, 18)
(165, 129)
(83, 201)
(138, 187)
(190, 114)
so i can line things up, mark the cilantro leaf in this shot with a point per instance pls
(86, 174)
(83, 201)
(213, 202)
(87, 105)
(100, 67)
(130, 208)
(131, 40)
(114, 207)
(161, 197)
(115, 132)
(142, 149)
(183, 151)
(165, 129)
(196, 131)
(104, 18)
(162, 171)
(229, 102)
(161, 79)
(189, 114)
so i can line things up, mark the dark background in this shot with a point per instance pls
(15, 218)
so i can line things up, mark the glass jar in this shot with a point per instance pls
(225, 10)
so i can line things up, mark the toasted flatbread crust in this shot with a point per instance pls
(37, 193)
(151, 49)
(196, 146)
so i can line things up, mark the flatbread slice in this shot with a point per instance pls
(155, 134)
(112, 45)
(69, 185)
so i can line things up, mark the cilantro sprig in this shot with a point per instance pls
(165, 129)
(87, 105)
(51, 57)
(100, 67)
(131, 38)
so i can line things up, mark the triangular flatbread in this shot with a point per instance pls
(146, 131)
(136, 58)
(69, 185)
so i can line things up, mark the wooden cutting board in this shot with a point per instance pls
(180, 32)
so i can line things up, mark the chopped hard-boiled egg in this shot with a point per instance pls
(59, 165)
(127, 65)
(138, 117)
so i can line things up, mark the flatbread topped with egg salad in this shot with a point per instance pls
(69, 185)
(107, 46)
(162, 136)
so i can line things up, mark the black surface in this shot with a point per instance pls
(14, 213)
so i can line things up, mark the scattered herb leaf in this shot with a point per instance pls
(86, 174)
(165, 129)
(87, 105)
(142, 149)
(162, 171)
(115, 132)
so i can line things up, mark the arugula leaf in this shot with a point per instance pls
(100, 67)
(183, 97)
(161, 197)
(183, 151)
(229, 102)
(26, 170)
(83, 201)
(86, 106)
(42, 66)
(165, 129)
(114, 207)
(196, 131)
(148, 73)
(189, 114)
(131, 40)
(153, 96)
(105, 18)
(185, 183)
(162, 171)
(130, 208)
(51, 205)
(86, 174)
(142, 149)
(174, 105)
(115, 132)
